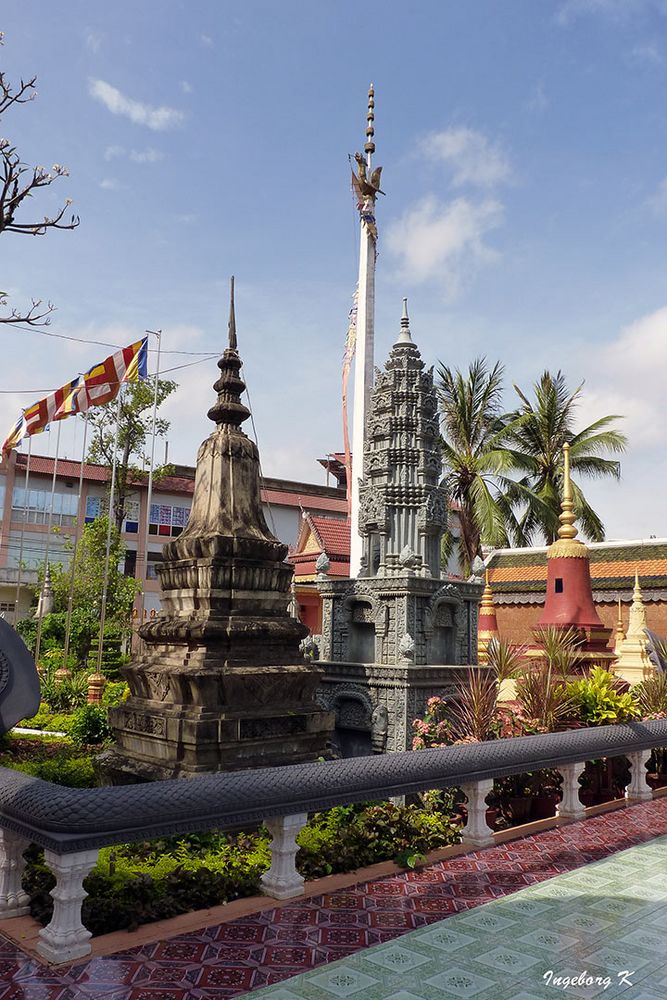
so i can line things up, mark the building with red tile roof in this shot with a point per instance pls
(24, 519)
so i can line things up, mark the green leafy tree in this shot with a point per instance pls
(546, 423)
(477, 461)
(135, 428)
(87, 595)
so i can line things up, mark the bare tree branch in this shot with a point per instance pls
(19, 182)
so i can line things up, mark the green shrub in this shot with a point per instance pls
(115, 693)
(75, 772)
(349, 837)
(47, 720)
(90, 725)
(599, 701)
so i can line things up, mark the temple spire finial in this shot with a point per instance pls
(229, 409)
(405, 336)
(369, 147)
(567, 528)
(233, 344)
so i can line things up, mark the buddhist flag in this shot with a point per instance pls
(16, 434)
(56, 406)
(101, 383)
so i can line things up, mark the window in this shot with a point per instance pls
(558, 587)
(35, 506)
(130, 565)
(131, 522)
(151, 567)
(7, 607)
(93, 508)
(167, 520)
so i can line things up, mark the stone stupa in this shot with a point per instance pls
(222, 685)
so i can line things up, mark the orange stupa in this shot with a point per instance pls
(569, 599)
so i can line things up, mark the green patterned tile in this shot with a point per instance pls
(342, 980)
(444, 937)
(507, 960)
(548, 939)
(460, 983)
(395, 958)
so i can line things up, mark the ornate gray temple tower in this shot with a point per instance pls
(222, 684)
(399, 633)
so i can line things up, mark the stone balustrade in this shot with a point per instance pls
(73, 824)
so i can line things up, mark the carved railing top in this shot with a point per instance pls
(72, 819)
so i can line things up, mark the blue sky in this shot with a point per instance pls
(524, 152)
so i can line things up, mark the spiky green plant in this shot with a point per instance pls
(505, 658)
(559, 649)
(651, 693)
(473, 709)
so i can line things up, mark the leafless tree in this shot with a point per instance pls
(18, 182)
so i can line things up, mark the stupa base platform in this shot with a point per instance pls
(156, 742)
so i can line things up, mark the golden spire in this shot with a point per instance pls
(566, 518)
(567, 544)
(369, 148)
(487, 596)
(637, 592)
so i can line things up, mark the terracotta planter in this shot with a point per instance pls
(492, 814)
(544, 806)
(519, 807)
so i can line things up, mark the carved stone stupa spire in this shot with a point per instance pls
(222, 684)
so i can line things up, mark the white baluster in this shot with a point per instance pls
(638, 790)
(570, 807)
(476, 833)
(65, 938)
(14, 902)
(282, 881)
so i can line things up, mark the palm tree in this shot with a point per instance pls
(536, 441)
(476, 459)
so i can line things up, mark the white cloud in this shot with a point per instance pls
(538, 100)
(472, 158)
(658, 201)
(629, 379)
(110, 184)
(93, 39)
(646, 54)
(206, 41)
(617, 10)
(117, 103)
(186, 87)
(444, 243)
(112, 152)
(146, 156)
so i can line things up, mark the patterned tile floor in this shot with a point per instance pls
(604, 913)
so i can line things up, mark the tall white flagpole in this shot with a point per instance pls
(105, 585)
(367, 188)
(149, 498)
(40, 608)
(77, 536)
(26, 507)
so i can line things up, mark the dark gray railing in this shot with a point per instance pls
(72, 824)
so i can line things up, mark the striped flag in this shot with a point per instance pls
(101, 383)
(16, 434)
(56, 406)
